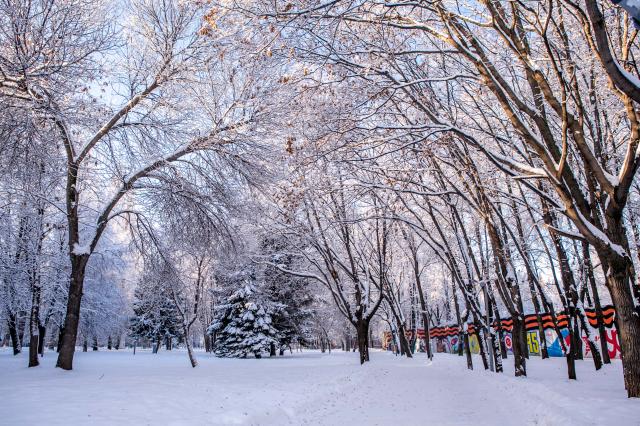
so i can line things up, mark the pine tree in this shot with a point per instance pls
(243, 322)
(155, 316)
(294, 318)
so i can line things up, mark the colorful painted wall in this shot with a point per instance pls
(446, 337)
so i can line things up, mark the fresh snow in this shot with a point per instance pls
(80, 250)
(118, 388)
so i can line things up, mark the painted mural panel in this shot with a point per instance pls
(446, 337)
(533, 342)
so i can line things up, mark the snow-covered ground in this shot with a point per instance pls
(117, 388)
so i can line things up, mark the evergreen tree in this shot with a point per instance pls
(155, 315)
(243, 322)
(294, 318)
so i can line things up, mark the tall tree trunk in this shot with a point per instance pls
(402, 337)
(72, 318)
(60, 336)
(425, 318)
(13, 332)
(423, 302)
(569, 297)
(156, 347)
(192, 357)
(571, 354)
(501, 343)
(628, 320)
(518, 350)
(467, 350)
(586, 258)
(404, 343)
(482, 339)
(42, 330)
(595, 352)
(497, 355)
(34, 340)
(34, 323)
(459, 320)
(576, 336)
(362, 330)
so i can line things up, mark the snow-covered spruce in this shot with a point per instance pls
(243, 322)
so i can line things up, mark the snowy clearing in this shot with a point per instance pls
(107, 388)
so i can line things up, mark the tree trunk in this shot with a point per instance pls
(404, 343)
(13, 332)
(481, 343)
(502, 346)
(595, 353)
(60, 335)
(156, 347)
(85, 345)
(42, 330)
(34, 324)
(571, 354)
(192, 358)
(272, 349)
(576, 336)
(362, 329)
(21, 323)
(95, 343)
(402, 337)
(497, 355)
(628, 319)
(35, 339)
(109, 343)
(467, 349)
(459, 319)
(72, 318)
(423, 309)
(516, 342)
(586, 256)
